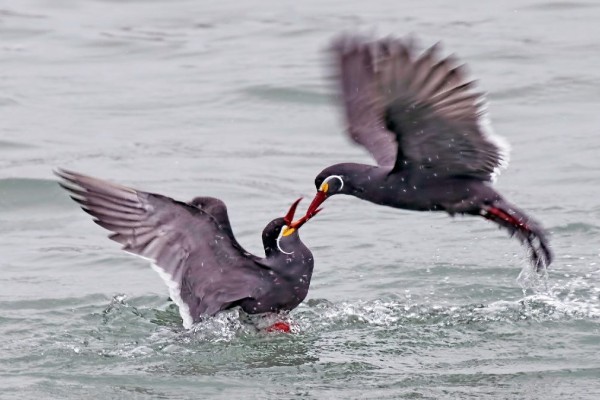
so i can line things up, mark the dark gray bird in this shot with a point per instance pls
(420, 118)
(192, 247)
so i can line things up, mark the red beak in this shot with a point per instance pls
(298, 223)
(319, 198)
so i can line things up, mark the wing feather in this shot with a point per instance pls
(415, 110)
(356, 75)
(436, 116)
(194, 251)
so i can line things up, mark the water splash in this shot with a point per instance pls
(158, 328)
(223, 327)
(389, 314)
(530, 278)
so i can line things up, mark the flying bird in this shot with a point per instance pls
(421, 119)
(194, 250)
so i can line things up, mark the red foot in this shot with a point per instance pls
(279, 327)
(507, 217)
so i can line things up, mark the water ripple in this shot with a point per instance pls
(288, 95)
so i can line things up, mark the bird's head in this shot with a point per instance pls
(284, 229)
(327, 183)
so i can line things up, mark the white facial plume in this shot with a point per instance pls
(330, 178)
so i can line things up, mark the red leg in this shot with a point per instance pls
(279, 327)
(507, 217)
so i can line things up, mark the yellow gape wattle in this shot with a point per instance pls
(287, 231)
(324, 187)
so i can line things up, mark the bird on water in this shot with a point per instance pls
(425, 125)
(194, 250)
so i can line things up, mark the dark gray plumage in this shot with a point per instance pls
(193, 248)
(420, 118)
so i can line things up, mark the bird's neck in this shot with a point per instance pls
(361, 178)
(292, 260)
(289, 247)
(379, 186)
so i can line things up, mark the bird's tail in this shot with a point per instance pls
(526, 229)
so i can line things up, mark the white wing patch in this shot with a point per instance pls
(503, 146)
(175, 293)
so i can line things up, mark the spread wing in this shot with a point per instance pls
(218, 210)
(438, 119)
(355, 71)
(193, 250)
(420, 108)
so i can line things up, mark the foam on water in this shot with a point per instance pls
(148, 331)
(577, 299)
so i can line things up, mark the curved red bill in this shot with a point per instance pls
(289, 217)
(319, 198)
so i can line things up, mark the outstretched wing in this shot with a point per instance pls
(217, 209)
(413, 111)
(355, 63)
(438, 119)
(193, 251)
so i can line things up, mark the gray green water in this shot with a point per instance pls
(231, 99)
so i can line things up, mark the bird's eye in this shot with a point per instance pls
(319, 182)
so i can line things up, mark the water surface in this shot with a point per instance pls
(231, 99)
